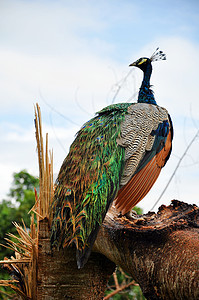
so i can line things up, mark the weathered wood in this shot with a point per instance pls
(58, 276)
(160, 251)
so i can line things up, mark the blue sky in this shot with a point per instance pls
(70, 57)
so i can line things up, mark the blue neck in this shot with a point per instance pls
(146, 94)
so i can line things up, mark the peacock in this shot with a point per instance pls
(116, 156)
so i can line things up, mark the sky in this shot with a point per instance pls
(72, 58)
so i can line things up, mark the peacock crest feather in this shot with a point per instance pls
(158, 55)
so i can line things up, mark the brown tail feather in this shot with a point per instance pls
(137, 192)
(141, 183)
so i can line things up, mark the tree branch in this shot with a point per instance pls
(160, 251)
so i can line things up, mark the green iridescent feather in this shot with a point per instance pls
(88, 181)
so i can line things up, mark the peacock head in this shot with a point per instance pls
(143, 62)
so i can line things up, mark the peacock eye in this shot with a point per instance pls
(141, 61)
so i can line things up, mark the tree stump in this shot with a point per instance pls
(58, 276)
(160, 251)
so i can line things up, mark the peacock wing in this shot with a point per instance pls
(146, 134)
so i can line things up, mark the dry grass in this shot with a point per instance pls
(25, 244)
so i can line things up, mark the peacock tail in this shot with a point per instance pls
(88, 179)
(117, 155)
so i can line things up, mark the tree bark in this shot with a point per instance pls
(160, 251)
(58, 276)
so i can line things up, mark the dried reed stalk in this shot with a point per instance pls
(45, 161)
(24, 264)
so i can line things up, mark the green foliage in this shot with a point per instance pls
(22, 194)
(138, 210)
(7, 215)
(14, 209)
(133, 292)
(22, 183)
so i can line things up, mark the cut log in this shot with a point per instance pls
(58, 276)
(160, 251)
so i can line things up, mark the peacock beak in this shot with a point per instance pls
(133, 64)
